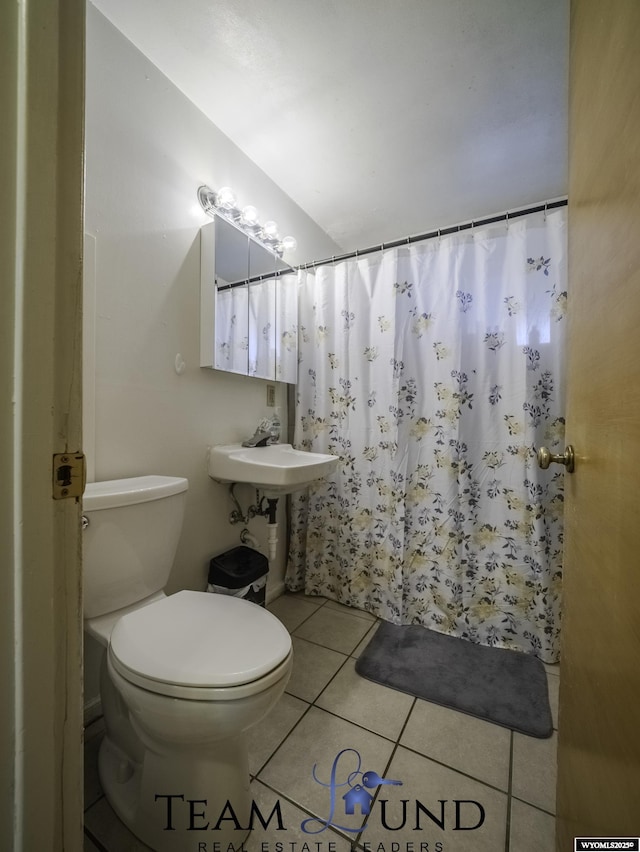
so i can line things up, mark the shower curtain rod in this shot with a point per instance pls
(440, 232)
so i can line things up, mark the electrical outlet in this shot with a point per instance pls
(271, 396)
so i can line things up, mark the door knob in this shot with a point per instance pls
(568, 458)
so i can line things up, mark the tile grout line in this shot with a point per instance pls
(308, 708)
(347, 654)
(304, 808)
(535, 807)
(396, 743)
(279, 746)
(95, 802)
(388, 763)
(329, 682)
(355, 724)
(94, 840)
(304, 620)
(347, 609)
(406, 721)
(453, 769)
(347, 657)
(327, 647)
(352, 840)
(507, 840)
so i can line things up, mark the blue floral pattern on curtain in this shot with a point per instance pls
(434, 372)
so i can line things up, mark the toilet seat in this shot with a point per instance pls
(198, 693)
(190, 643)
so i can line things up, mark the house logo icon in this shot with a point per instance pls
(357, 796)
(346, 771)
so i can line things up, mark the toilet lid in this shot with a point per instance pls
(197, 639)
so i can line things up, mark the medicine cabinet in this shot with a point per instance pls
(248, 306)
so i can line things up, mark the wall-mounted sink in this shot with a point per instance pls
(277, 469)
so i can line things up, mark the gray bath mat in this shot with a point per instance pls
(508, 688)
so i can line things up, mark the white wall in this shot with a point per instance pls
(148, 149)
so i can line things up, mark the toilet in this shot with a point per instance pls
(184, 676)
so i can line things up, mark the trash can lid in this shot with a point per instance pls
(196, 639)
(237, 567)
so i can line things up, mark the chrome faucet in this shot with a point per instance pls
(260, 438)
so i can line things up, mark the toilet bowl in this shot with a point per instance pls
(184, 676)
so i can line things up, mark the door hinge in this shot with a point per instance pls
(69, 475)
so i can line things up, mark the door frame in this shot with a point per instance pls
(41, 232)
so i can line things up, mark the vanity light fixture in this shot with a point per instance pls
(249, 217)
(270, 230)
(226, 198)
(223, 202)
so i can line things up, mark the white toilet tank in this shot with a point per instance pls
(131, 538)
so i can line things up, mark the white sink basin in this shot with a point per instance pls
(277, 469)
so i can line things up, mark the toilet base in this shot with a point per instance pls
(172, 804)
(176, 771)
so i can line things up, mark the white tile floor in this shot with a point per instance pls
(439, 754)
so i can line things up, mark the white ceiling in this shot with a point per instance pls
(380, 118)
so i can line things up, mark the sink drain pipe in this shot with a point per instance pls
(272, 527)
(269, 512)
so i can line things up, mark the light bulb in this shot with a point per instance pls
(289, 244)
(270, 230)
(249, 216)
(226, 198)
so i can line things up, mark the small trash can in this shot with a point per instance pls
(241, 572)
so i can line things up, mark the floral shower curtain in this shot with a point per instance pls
(435, 371)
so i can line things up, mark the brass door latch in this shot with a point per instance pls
(69, 475)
